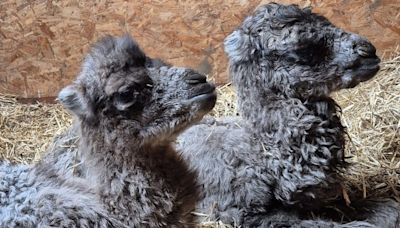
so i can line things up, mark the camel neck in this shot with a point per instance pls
(268, 111)
(287, 124)
(107, 153)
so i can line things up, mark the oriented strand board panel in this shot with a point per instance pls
(42, 42)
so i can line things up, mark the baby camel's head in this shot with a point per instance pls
(295, 52)
(119, 88)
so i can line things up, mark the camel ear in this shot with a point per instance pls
(71, 98)
(237, 46)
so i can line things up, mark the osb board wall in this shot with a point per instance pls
(42, 42)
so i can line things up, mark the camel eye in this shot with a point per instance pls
(126, 96)
(133, 98)
(125, 100)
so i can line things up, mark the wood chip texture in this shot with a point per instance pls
(42, 42)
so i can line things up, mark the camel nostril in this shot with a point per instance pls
(193, 79)
(365, 49)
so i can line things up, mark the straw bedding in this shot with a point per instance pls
(371, 113)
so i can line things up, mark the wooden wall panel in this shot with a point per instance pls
(42, 42)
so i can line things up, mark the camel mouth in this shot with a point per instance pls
(367, 69)
(207, 101)
(206, 96)
(369, 72)
(363, 71)
(203, 90)
(363, 75)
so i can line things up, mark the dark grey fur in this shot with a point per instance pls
(129, 110)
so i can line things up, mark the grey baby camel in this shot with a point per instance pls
(129, 110)
(285, 149)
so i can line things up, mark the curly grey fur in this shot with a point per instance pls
(35, 196)
(285, 150)
(129, 110)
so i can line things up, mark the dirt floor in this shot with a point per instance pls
(371, 113)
